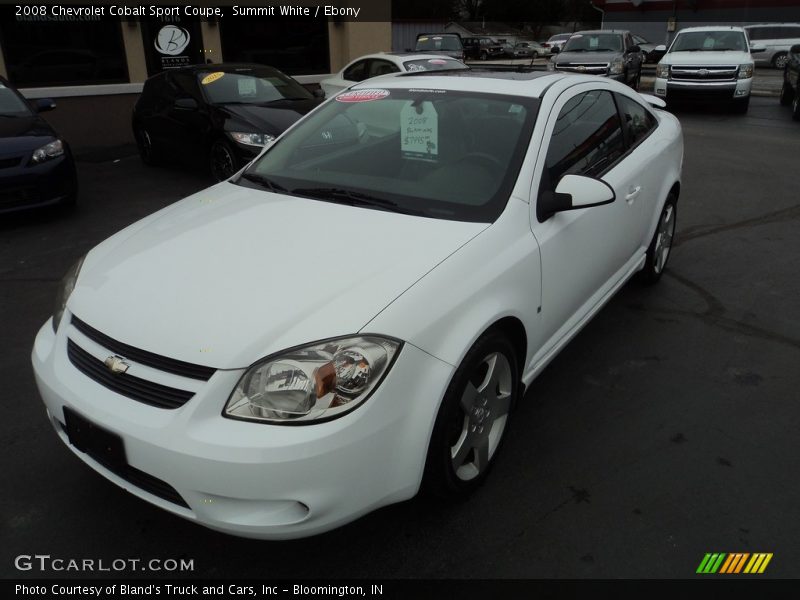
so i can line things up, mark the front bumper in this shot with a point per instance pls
(711, 90)
(254, 479)
(25, 186)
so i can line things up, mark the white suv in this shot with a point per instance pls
(711, 63)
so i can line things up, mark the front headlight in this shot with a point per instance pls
(312, 383)
(662, 71)
(551, 65)
(47, 152)
(616, 67)
(64, 292)
(252, 139)
(745, 71)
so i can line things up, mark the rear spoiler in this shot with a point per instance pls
(654, 101)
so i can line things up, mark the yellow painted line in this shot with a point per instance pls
(765, 563)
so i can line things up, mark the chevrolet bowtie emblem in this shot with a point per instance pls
(703, 72)
(116, 364)
(581, 68)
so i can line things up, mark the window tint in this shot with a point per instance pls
(637, 121)
(358, 72)
(587, 138)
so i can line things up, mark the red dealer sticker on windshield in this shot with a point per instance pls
(362, 95)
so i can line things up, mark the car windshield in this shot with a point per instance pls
(12, 105)
(439, 42)
(434, 153)
(250, 86)
(433, 64)
(709, 41)
(594, 42)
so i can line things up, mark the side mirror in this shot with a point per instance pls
(186, 104)
(555, 50)
(756, 48)
(633, 49)
(319, 93)
(44, 104)
(660, 48)
(574, 192)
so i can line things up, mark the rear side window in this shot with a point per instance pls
(637, 121)
(358, 72)
(587, 138)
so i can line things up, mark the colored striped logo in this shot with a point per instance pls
(734, 563)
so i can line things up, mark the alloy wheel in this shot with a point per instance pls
(666, 231)
(485, 403)
(223, 164)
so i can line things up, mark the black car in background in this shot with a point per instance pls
(790, 94)
(36, 166)
(482, 48)
(217, 115)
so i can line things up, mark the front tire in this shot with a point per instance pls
(144, 144)
(483, 56)
(222, 160)
(787, 94)
(741, 107)
(473, 418)
(661, 245)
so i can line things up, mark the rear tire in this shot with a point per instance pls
(473, 418)
(779, 60)
(661, 245)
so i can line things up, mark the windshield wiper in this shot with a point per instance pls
(352, 198)
(265, 182)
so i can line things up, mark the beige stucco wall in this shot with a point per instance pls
(351, 39)
(211, 42)
(134, 51)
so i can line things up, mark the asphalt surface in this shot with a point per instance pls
(667, 429)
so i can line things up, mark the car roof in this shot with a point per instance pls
(712, 28)
(513, 82)
(770, 25)
(403, 56)
(592, 31)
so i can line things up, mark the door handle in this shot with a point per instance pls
(632, 193)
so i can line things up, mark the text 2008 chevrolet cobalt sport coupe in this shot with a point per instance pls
(355, 314)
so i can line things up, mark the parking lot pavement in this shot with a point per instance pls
(665, 430)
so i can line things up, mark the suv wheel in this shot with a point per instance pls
(483, 55)
(779, 60)
(787, 94)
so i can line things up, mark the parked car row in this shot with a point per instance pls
(790, 93)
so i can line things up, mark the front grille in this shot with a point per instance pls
(710, 73)
(129, 386)
(162, 363)
(7, 163)
(585, 68)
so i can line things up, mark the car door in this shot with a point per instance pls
(188, 126)
(584, 252)
(633, 59)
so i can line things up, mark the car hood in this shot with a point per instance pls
(23, 134)
(587, 57)
(231, 274)
(707, 58)
(274, 118)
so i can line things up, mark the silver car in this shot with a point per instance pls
(778, 38)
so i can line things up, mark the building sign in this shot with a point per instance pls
(171, 42)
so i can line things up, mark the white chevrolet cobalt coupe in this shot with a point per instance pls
(356, 313)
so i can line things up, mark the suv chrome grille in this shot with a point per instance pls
(587, 68)
(710, 73)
